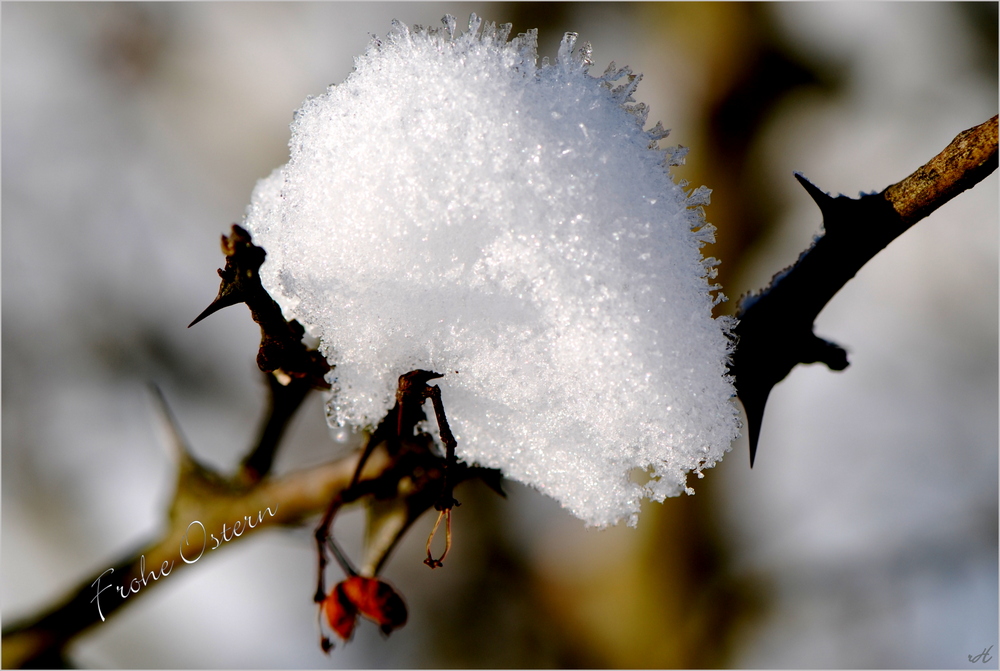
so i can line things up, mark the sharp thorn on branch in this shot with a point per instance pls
(222, 301)
(824, 351)
(774, 330)
(753, 405)
(177, 444)
(820, 197)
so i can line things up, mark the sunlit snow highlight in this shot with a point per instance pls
(456, 207)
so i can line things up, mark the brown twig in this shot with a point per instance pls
(970, 157)
(419, 471)
(284, 401)
(204, 504)
(203, 497)
(398, 471)
(775, 329)
(446, 500)
(292, 369)
(406, 413)
(281, 348)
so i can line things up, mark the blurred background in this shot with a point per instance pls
(866, 534)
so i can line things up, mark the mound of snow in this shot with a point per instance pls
(454, 206)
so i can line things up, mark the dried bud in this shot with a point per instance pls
(341, 614)
(377, 601)
(370, 597)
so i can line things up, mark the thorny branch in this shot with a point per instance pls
(203, 496)
(400, 480)
(291, 369)
(775, 329)
(399, 474)
(281, 349)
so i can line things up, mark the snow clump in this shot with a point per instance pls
(457, 207)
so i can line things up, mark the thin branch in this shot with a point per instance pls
(281, 349)
(405, 414)
(775, 329)
(204, 505)
(292, 369)
(398, 471)
(402, 479)
(283, 402)
(969, 159)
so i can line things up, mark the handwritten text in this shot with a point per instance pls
(192, 547)
(983, 657)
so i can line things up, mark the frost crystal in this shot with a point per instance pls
(455, 207)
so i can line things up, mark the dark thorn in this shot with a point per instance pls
(824, 351)
(753, 405)
(327, 645)
(281, 346)
(820, 197)
(217, 304)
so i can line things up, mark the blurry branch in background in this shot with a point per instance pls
(204, 500)
(775, 329)
(401, 478)
(201, 496)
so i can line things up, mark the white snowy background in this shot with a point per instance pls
(132, 136)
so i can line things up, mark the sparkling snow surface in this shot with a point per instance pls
(456, 207)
